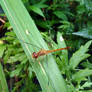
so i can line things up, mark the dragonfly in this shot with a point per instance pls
(43, 52)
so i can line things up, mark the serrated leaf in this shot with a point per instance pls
(81, 74)
(79, 55)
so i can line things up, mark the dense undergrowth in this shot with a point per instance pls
(72, 19)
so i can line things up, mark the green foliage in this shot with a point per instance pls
(68, 18)
(79, 55)
(81, 75)
(37, 10)
(60, 15)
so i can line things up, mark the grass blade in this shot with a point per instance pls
(46, 70)
(3, 84)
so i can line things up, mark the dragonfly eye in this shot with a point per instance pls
(34, 55)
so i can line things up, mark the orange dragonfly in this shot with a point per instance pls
(43, 52)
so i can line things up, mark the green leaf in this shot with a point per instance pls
(81, 74)
(18, 57)
(3, 84)
(61, 44)
(64, 55)
(87, 65)
(61, 15)
(37, 10)
(79, 55)
(87, 84)
(81, 9)
(16, 72)
(89, 24)
(30, 71)
(85, 33)
(2, 49)
(88, 4)
(41, 5)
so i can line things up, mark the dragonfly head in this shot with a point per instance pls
(34, 55)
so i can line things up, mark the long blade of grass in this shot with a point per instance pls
(3, 84)
(46, 70)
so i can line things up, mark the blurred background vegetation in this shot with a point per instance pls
(72, 19)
